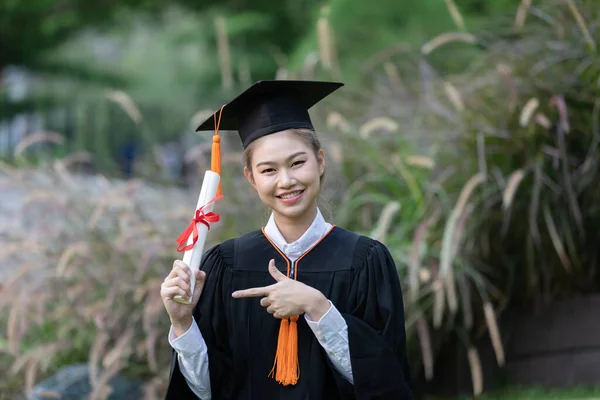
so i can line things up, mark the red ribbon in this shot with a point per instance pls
(199, 217)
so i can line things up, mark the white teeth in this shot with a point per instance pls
(290, 195)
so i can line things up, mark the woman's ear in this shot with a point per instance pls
(321, 162)
(249, 177)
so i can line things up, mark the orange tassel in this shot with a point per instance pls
(280, 353)
(286, 366)
(215, 160)
(293, 370)
(215, 156)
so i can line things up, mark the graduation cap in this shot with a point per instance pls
(268, 107)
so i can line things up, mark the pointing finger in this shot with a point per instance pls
(275, 273)
(253, 292)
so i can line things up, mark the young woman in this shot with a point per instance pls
(299, 309)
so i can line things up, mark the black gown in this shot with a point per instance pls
(356, 273)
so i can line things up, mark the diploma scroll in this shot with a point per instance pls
(193, 256)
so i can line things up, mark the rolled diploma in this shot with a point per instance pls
(193, 257)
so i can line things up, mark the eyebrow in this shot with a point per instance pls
(287, 159)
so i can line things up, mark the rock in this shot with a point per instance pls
(73, 383)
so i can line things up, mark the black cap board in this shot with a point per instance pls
(267, 107)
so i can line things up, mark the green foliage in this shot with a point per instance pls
(546, 130)
(398, 196)
(30, 29)
(166, 56)
(512, 195)
(362, 31)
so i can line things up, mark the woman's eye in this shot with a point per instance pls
(267, 170)
(296, 163)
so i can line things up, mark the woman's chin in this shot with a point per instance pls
(295, 212)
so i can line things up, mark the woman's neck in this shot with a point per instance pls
(292, 229)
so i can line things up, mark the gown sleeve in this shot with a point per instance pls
(376, 332)
(211, 316)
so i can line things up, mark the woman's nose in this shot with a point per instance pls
(286, 179)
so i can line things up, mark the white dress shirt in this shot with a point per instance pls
(331, 330)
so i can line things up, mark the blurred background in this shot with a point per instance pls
(467, 139)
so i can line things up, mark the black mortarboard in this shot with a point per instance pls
(270, 106)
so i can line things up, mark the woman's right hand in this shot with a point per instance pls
(177, 283)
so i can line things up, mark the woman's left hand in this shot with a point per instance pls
(288, 297)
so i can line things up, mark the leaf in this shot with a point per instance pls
(465, 297)
(456, 15)
(511, 188)
(490, 319)
(377, 124)
(410, 179)
(37, 354)
(446, 38)
(567, 181)
(351, 207)
(415, 258)
(95, 355)
(476, 372)
(557, 243)
(582, 25)
(467, 190)
(35, 138)
(449, 278)
(438, 302)
(126, 103)
(451, 294)
(8, 292)
(13, 332)
(528, 111)
(122, 349)
(335, 120)
(425, 343)
(535, 203)
(385, 220)
(460, 228)
(74, 249)
(454, 96)
(30, 375)
(324, 35)
(522, 13)
(450, 229)
(420, 161)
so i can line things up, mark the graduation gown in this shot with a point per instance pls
(356, 273)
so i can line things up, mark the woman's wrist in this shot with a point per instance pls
(181, 327)
(317, 306)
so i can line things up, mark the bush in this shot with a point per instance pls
(87, 257)
(505, 212)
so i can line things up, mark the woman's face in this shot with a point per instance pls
(285, 171)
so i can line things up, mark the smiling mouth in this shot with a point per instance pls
(291, 195)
